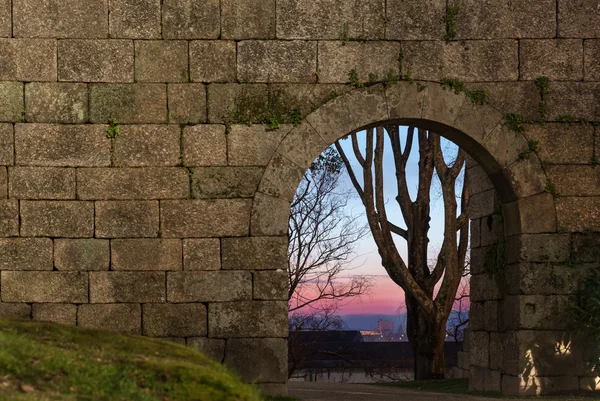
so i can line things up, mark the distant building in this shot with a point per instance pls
(385, 327)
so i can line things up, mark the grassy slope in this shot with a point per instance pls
(43, 361)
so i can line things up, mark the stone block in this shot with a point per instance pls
(59, 19)
(475, 233)
(129, 104)
(306, 98)
(270, 216)
(45, 287)
(124, 318)
(337, 59)
(573, 98)
(589, 384)
(563, 143)
(422, 20)
(485, 287)
(506, 145)
(255, 253)
(578, 19)
(237, 103)
(492, 381)
(247, 19)
(585, 247)
(146, 254)
(57, 313)
(479, 351)
(277, 61)
(70, 219)
(330, 19)
(62, 145)
(575, 180)
(26, 254)
(161, 61)
(187, 103)
(591, 60)
(281, 178)
(271, 285)
(252, 145)
(3, 182)
(258, 359)
(511, 97)
(476, 316)
(302, 146)
(545, 278)
(148, 146)
(217, 286)
(127, 219)
(483, 204)
(557, 59)
(537, 312)
(578, 214)
(81, 254)
(538, 248)
(28, 60)
(56, 103)
(41, 183)
(9, 218)
(5, 19)
(190, 19)
(174, 320)
(491, 310)
(133, 183)
(526, 177)
(532, 215)
(505, 19)
(214, 348)
(7, 145)
(82, 60)
(108, 287)
(248, 319)
(202, 254)
(474, 61)
(12, 106)
(135, 19)
(213, 61)
(205, 218)
(205, 145)
(15, 310)
(225, 182)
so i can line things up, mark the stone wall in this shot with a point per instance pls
(138, 195)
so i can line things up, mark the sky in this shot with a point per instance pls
(386, 297)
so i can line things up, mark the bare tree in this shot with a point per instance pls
(429, 290)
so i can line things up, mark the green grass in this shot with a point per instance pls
(55, 362)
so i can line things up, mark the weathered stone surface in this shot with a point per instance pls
(485, 287)
(81, 254)
(107, 287)
(505, 19)
(133, 183)
(337, 59)
(135, 104)
(475, 233)
(187, 103)
(545, 278)
(585, 247)
(270, 216)
(26, 254)
(7, 145)
(578, 19)
(209, 286)
(28, 60)
(174, 320)
(57, 313)
(247, 19)
(62, 145)
(12, 106)
(146, 254)
(258, 359)
(538, 248)
(330, 19)
(511, 97)
(365, 106)
(492, 381)
(444, 106)
(591, 59)
(563, 143)
(123, 219)
(479, 61)
(51, 287)
(505, 145)
(225, 182)
(3, 182)
(254, 253)
(5, 19)
(213, 348)
(202, 254)
(277, 61)
(526, 177)
(161, 61)
(213, 61)
(420, 20)
(205, 145)
(479, 353)
(558, 59)
(247, 319)
(491, 230)
(483, 204)
(575, 180)
(60, 19)
(9, 218)
(306, 98)
(253, 145)
(148, 145)
(281, 178)
(56, 103)
(205, 218)
(95, 60)
(578, 99)
(532, 215)
(15, 310)
(479, 180)
(237, 103)
(271, 285)
(70, 219)
(190, 19)
(302, 145)
(124, 318)
(41, 183)
(136, 19)
(578, 214)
